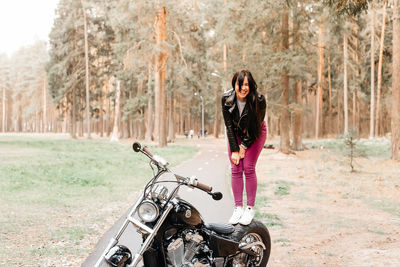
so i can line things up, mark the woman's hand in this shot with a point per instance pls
(242, 152)
(235, 158)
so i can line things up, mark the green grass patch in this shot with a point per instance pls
(64, 171)
(281, 240)
(378, 148)
(377, 232)
(39, 175)
(268, 219)
(72, 234)
(283, 188)
(390, 207)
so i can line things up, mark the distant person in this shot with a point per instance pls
(190, 134)
(199, 134)
(243, 109)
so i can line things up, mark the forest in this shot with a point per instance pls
(143, 69)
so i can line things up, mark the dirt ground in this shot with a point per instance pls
(328, 216)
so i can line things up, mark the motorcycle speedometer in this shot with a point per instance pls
(148, 211)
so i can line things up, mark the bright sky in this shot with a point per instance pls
(24, 21)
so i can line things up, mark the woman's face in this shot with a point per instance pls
(244, 91)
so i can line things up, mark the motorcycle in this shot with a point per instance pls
(175, 235)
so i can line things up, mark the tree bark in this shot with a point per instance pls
(101, 114)
(372, 107)
(378, 93)
(354, 108)
(216, 121)
(330, 122)
(395, 123)
(285, 115)
(114, 136)
(73, 110)
(3, 125)
(345, 89)
(171, 121)
(44, 119)
(149, 129)
(297, 89)
(298, 117)
(161, 75)
(86, 71)
(320, 81)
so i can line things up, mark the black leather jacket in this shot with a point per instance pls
(236, 124)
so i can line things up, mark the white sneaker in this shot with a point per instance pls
(247, 216)
(237, 213)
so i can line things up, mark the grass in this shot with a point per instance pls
(281, 240)
(45, 181)
(390, 207)
(60, 172)
(378, 148)
(268, 219)
(377, 232)
(283, 188)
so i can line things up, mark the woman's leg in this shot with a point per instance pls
(249, 165)
(237, 179)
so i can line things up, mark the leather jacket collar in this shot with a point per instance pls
(230, 100)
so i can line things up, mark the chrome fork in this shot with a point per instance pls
(144, 228)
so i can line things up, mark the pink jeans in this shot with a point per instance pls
(247, 165)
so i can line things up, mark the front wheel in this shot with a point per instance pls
(250, 234)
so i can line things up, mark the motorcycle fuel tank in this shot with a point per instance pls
(184, 212)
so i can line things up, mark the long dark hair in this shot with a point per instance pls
(253, 122)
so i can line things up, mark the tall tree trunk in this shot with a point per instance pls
(217, 103)
(161, 75)
(298, 117)
(171, 121)
(149, 129)
(345, 89)
(395, 124)
(297, 89)
(378, 93)
(3, 125)
(358, 74)
(318, 108)
(330, 123)
(181, 117)
(86, 70)
(354, 108)
(44, 119)
(372, 110)
(73, 110)
(108, 109)
(114, 136)
(285, 115)
(101, 114)
(156, 98)
(141, 127)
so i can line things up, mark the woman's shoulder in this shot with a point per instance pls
(228, 93)
(261, 100)
(261, 97)
(228, 97)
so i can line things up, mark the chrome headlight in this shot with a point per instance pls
(148, 211)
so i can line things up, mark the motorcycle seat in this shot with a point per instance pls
(220, 228)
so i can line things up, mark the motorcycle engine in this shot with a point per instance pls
(183, 251)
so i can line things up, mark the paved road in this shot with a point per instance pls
(210, 166)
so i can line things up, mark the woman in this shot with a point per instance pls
(243, 109)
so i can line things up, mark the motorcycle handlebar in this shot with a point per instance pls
(217, 195)
(204, 187)
(194, 182)
(148, 152)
